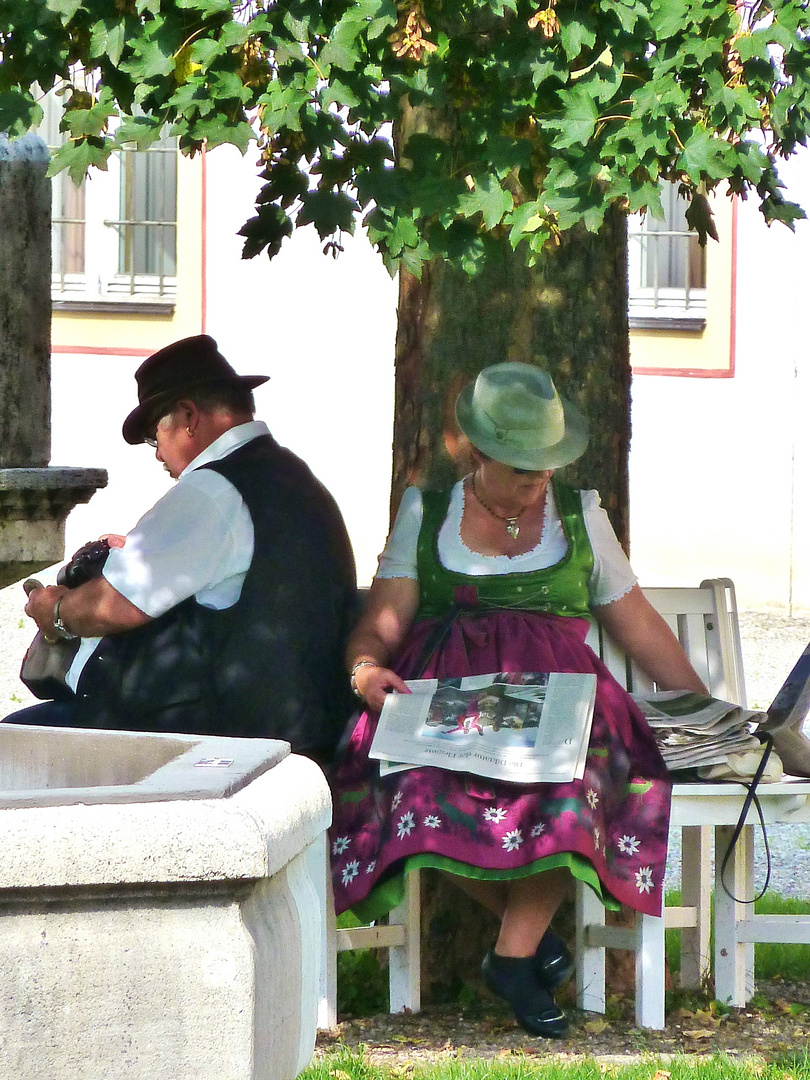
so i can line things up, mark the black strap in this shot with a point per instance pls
(435, 638)
(751, 797)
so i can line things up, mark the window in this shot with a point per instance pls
(115, 236)
(667, 268)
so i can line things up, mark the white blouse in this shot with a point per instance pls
(612, 575)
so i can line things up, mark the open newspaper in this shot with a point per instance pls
(695, 731)
(524, 727)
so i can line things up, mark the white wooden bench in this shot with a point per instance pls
(705, 621)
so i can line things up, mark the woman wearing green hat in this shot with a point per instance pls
(524, 562)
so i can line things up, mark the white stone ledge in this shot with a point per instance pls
(252, 834)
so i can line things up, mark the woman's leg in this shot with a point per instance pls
(530, 905)
(490, 894)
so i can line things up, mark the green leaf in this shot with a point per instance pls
(700, 217)
(218, 130)
(93, 121)
(150, 60)
(79, 156)
(267, 230)
(489, 199)
(704, 154)
(206, 7)
(18, 112)
(108, 38)
(143, 131)
(668, 17)
(576, 36)
(328, 211)
(65, 9)
(204, 51)
(339, 93)
(578, 121)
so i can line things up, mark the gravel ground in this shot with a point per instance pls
(771, 645)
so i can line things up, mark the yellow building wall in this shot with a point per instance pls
(708, 352)
(136, 331)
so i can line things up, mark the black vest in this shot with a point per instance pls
(271, 666)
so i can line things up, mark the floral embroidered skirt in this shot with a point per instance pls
(610, 828)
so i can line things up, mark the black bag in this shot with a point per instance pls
(46, 663)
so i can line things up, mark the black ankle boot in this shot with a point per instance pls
(554, 963)
(515, 980)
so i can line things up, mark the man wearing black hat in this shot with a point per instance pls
(225, 610)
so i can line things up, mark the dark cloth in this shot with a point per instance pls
(270, 666)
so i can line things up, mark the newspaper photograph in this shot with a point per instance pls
(525, 727)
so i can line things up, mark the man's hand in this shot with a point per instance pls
(94, 609)
(41, 603)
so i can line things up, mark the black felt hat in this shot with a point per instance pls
(165, 375)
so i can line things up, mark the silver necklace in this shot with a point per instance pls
(512, 526)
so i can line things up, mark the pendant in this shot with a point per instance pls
(512, 528)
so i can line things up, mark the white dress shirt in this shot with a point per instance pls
(195, 541)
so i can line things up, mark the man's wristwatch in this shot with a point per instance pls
(62, 631)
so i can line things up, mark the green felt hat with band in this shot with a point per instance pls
(512, 413)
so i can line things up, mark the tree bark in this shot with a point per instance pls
(568, 315)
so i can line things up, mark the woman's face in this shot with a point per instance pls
(506, 482)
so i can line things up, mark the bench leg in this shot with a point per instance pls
(733, 959)
(327, 1005)
(650, 971)
(404, 961)
(696, 892)
(590, 959)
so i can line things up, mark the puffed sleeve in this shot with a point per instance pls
(398, 559)
(612, 575)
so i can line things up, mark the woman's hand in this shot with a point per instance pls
(374, 682)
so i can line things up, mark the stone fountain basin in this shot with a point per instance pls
(66, 766)
(162, 905)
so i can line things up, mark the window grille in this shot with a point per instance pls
(667, 265)
(115, 235)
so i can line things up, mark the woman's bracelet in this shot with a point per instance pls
(353, 673)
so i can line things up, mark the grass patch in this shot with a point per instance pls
(773, 960)
(346, 1064)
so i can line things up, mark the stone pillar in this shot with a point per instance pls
(25, 303)
(34, 498)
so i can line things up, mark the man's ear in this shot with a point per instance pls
(188, 415)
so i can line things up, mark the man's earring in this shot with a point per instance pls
(188, 432)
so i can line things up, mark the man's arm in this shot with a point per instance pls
(94, 609)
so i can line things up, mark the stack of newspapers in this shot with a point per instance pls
(694, 731)
(527, 727)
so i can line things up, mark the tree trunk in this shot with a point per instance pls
(569, 316)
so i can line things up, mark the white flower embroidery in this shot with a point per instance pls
(350, 871)
(397, 799)
(592, 798)
(340, 845)
(406, 825)
(432, 821)
(629, 845)
(512, 840)
(371, 866)
(539, 829)
(596, 835)
(644, 881)
(494, 813)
